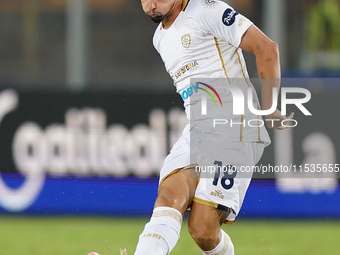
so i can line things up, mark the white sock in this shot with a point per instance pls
(225, 247)
(161, 234)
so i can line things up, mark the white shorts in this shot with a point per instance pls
(221, 185)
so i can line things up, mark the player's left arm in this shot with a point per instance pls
(268, 64)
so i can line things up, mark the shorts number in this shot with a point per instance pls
(229, 173)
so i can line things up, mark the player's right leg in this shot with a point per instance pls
(175, 195)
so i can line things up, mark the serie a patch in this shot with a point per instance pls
(229, 17)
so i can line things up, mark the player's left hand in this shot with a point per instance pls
(274, 120)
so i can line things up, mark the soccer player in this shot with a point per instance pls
(202, 41)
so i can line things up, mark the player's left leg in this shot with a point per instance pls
(205, 228)
(220, 192)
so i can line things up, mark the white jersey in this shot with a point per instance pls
(200, 46)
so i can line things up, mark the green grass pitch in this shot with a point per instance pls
(78, 236)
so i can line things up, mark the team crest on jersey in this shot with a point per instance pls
(186, 41)
(208, 3)
(229, 17)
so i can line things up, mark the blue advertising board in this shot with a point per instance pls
(136, 196)
(64, 153)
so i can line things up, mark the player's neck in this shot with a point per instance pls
(176, 11)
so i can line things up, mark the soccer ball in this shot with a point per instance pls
(93, 253)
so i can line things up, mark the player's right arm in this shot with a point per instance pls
(268, 65)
